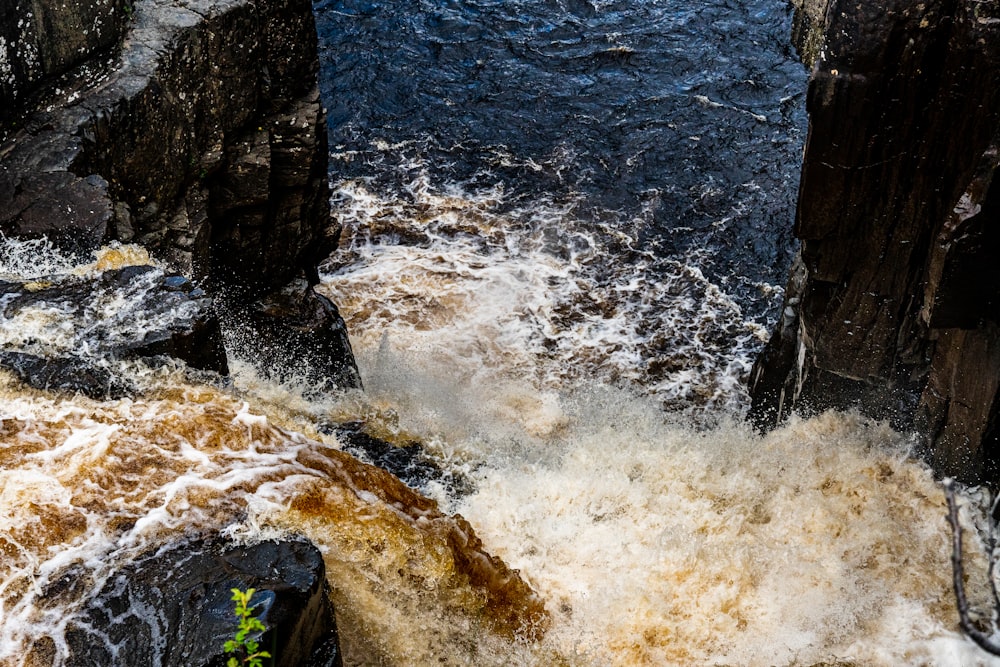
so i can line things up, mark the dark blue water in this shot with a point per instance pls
(686, 112)
(669, 132)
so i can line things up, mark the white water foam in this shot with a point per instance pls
(655, 543)
(652, 541)
(535, 293)
(655, 540)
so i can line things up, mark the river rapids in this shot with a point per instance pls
(566, 224)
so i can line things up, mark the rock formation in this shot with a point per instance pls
(60, 333)
(189, 587)
(894, 304)
(297, 318)
(192, 128)
(408, 461)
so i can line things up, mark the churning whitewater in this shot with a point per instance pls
(563, 227)
(646, 540)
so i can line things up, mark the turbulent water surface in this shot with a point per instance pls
(565, 224)
(607, 186)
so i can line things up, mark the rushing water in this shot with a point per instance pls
(605, 186)
(565, 227)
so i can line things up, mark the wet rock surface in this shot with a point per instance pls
(894, 309)
(203, 140)
(60, 333)
(39, 41)
(174, 608)
(65, 375)
(296, 334)
(408, 461)
(807, 28)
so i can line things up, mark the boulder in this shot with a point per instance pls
(893, 308)
(70, 375)
(297, 334)
(173, 607)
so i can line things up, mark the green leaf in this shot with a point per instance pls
(242, 644)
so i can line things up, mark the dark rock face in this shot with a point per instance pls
(65, 375)
(204, 141)
(40, 41)
(297, 333)
(894, 306)
(807, 28)
(83, 322)
(173, 608)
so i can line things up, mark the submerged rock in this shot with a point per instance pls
(894, 307)
(65, 374)
(173, 607)
(409, 462)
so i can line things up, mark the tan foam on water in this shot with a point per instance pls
(818, 544)
(87, 485)
(651, 544)
(118, 256)
(23, 259)
(387, 577)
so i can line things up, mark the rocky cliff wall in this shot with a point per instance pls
(191, 127)
(894, 304)
(205, 141)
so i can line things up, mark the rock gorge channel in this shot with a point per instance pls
(195, 130)
(893, 306)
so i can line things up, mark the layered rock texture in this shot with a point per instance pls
(64, 333)
(894, 304)
(193, 128)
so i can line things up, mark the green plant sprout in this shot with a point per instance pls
(242, 644)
